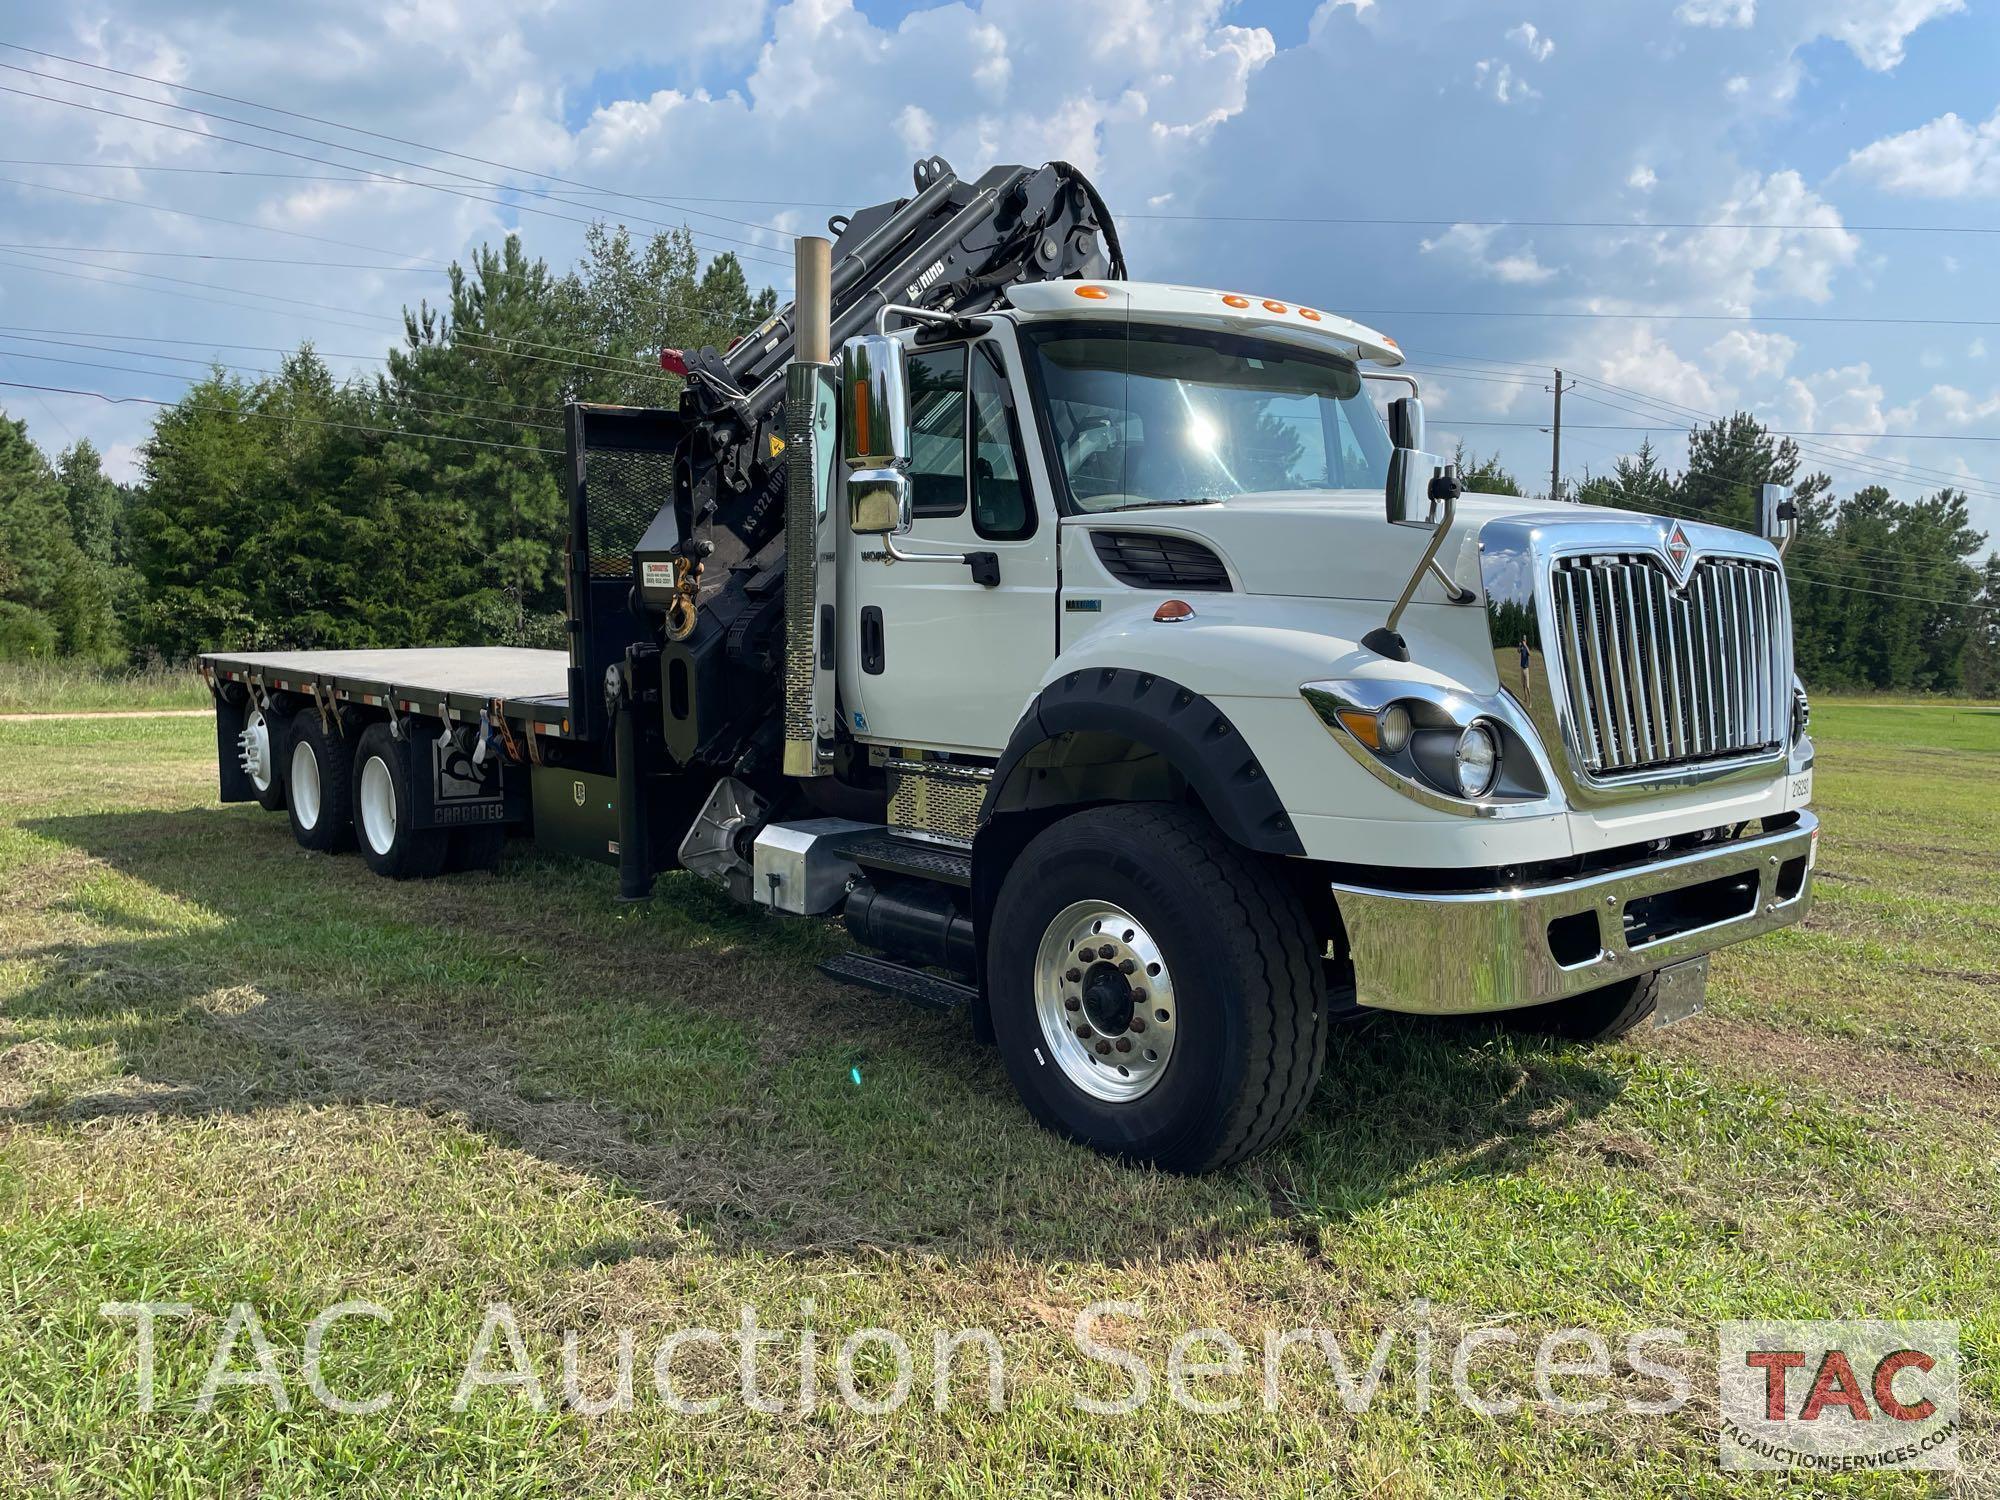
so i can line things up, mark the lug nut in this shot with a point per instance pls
(1073, 975)
(1072, 1003)
(1104, 1046)
(1124, 1044)
(1086, 954)
(1126, 966)
(1138, 1023)
(1084, 1032)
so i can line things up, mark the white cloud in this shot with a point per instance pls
(1470, 246)
(1733, 267)
(1532, 41)
(1947, 158)
(1642, 361)
(1752, 354)
(1736, 13)
(1875, 30)
(1498, 78)
(1642, 179)
(1976, 349)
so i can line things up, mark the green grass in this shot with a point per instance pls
(82, 687)
(233, 1071)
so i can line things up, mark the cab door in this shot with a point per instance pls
(931, 658)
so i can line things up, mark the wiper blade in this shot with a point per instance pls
(1183, 500)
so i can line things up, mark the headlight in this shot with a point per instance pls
(1478, 758)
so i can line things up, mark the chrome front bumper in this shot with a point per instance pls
(1459, 952)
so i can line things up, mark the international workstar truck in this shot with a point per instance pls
(1111, 658)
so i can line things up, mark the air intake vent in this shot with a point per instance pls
(1144, 560)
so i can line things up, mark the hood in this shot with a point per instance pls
(1330, 544)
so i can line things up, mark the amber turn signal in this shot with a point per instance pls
(1172, 610)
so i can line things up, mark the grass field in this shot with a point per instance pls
(79, 687)
(234, 1072)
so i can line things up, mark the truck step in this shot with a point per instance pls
(887, 977)
(911, 857)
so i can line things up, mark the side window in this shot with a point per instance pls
(937, 431)
(1002, 508)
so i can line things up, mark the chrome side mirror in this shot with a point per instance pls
(1777, 516)
(1418, 483)
(875, 402)
(1406, 422)
(880, 502)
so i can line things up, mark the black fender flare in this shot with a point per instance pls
(1194, 736)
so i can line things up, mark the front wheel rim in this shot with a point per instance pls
(305, 786)
(1105, 1000)
(378, 805)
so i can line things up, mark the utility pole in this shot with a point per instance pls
(1556, 439)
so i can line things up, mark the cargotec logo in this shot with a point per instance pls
(576, 792)
(1680, 556)
(1839, 1396)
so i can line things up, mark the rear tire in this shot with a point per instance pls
(385, 812)
(271, 742)
(317, 772)
(1599, 1015)
(476, 848)
(1201, 992)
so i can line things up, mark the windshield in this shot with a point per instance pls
(1142, 414)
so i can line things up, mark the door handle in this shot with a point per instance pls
(872, 649)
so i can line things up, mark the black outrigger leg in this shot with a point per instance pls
(635, 851)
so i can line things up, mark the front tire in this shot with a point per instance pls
(1156, 991)
(385, 812)
(1600, 1015)
(318, 768)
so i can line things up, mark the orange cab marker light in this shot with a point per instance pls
(1173, 610)
(1363, 726)
(1235, 301)
(1094, 293)
(1392, 343)
(1270, 306)
(1309, 315)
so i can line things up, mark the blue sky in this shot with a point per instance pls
(1533, 148)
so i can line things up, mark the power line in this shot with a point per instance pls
(395, 432)
(1666, 317)
(1921, 437)
(397, 140)
(1419, 223)
(385, 177)
(255, 260)
(416, 401)
(183, 213)
(580, 359)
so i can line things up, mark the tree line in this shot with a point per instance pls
(284, 508)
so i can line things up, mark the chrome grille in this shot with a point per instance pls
(1653, 676)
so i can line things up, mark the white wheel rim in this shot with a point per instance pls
(305, 786)
(255, 742)
(1113, 1044)
(378, 805)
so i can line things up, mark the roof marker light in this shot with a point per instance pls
(1094, 293)
(1309, 315)
(1174, 610)
(1235, 301)
(1270, 306)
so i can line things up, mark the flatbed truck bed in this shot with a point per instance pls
(530, 688)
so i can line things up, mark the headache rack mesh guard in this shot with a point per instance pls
(619, 475)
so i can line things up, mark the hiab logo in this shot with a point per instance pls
(1834, 1397)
